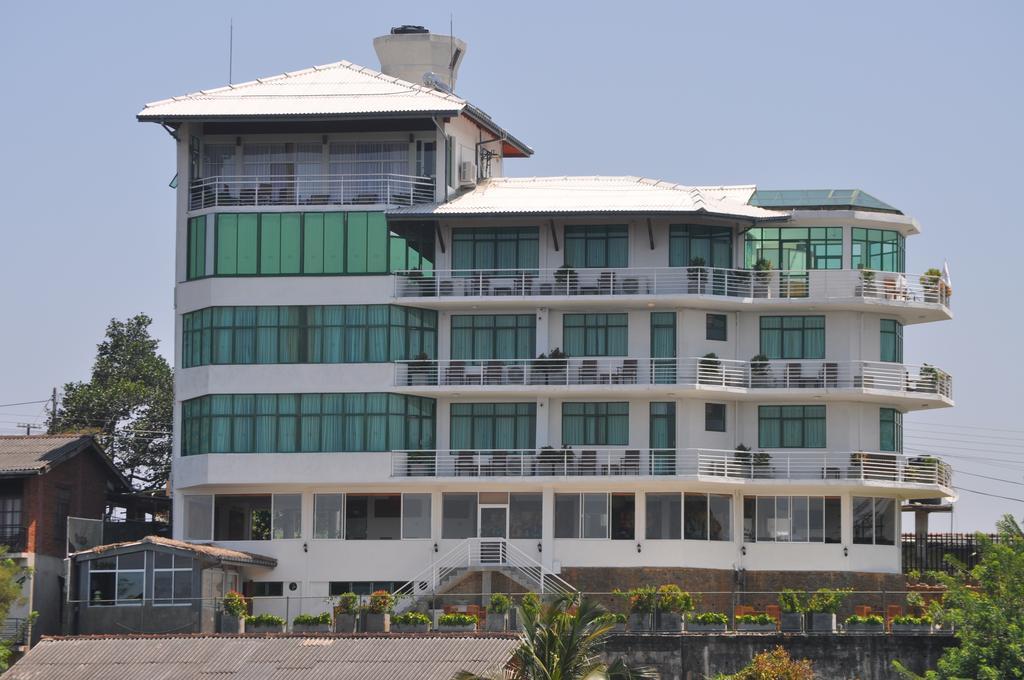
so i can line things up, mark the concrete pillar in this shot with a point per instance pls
(543, 332)
(547, 534)
(543, 423)
(921, 536)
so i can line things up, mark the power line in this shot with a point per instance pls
(993, 495)
(997, 479)
(971, 427)
(23, 403)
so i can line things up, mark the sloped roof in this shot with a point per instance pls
(214, 552)
(268, 657)
(587, 195)
(854, 199)
(38, 453)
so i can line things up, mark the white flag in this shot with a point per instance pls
(945, 273)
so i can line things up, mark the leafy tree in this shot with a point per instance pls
(563, 641)
(773, 665)
(128, 403)
(985, 606)
(12, 578)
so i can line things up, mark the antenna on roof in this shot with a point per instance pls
(451, 49)
(231, 49)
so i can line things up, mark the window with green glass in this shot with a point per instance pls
(195, 268)
(890, 427)
(595, 335)
(510, 426)
(690, 244)
(891, 340)
(663, 425)
(795, 248)
(597, 246)
(595, 423)
(791, 427)
(880, 249)
(483, 337)
(317, 334)
(495, 248)
(289, 423)
(663, 347)
(793, 337)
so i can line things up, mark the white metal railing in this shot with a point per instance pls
(479, 553)
(256, 190)
(686, 371)
(808, 464)
(819, 284)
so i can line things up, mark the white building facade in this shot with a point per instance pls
(387, 351)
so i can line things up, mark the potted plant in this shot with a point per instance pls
(672, 603)
(566, 280)
(709, 370)
(873, 623)
(823, 605)
(378, 612)
(759, 371)
(868, 288)
(932, 379)
(707, 622)
(264, 623)
(558, 365)
(312, 623)
(935, 288)
(616, 621)
(755, 623)
(234, 609)
(346, 613)
(697, 274)
(792, 605)
(754, 463)
(456, 623)
(762, 278)
(497, 612)
(912, 624)
(419, 370)
(410, 622)
(530, 602)
(641, 607)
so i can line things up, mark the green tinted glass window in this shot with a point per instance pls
(195, 267)
(880, 249)
(791, 427)
(891, 340)
(595, 423)
(227, 245)
(597, 246)
(595, 335)
(793, 337)
(795, 248)
(691, 245)
(890, 427)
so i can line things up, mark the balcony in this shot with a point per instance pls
(306, 190)
(629, 374)
(798, 466)
(14, 536)
(736, 285)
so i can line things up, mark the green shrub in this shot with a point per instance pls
(777, 665)
(672, 598)
(611, 618)
(264, 620)
(411, 619)
(530, 602)
(792, 602)
(348, 603)
(312, 619)
(913, 620)
(706, 618)
(235, 604)
(871, 619)
(381, 602)
(641, 600)
(500, 604)
(827, 600)
(456, 620)
(915, 599)
(760, 619)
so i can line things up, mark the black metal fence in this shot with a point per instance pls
(965, 548)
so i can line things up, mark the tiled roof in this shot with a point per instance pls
(589, 195)
(27, 454)
(272, 657)
(214, 552)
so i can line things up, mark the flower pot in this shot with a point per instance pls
(694, 627)
(378, 623)
(823, 623)
(344, 623)
(467, 628)
(639, 622)
(497, 622)
(311, 628)
(231, 625)
(911, 628)
(865, 628)
(264, 627)
(670, 621)
(756, 627)
(792, 622)
(410, 628)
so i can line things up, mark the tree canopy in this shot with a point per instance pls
(12, 577)
(128, 403)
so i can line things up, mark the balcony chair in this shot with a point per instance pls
(498, 466)
(265, 194)
(628, 373)
(465, 464)
(492, 373)
(631, 462)
(516, 374)
(588, 372)
(588, 463)
(774, 611)
(455, 374)
(605, 283)
(247, 195)
(794, 375)
(829, 374)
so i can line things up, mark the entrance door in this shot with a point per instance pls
(493, 522)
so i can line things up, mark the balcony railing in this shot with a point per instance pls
(14, 536)
(694, 372)
(804, 465)
(250, 190)
(14, 630)
(821, 284)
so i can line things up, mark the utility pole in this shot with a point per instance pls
(28, 427)
(53, 407)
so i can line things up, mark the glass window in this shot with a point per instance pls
(791, 427)
(595, 515)
(241, 518)
(172, 579)
(199, 518)
(664, 516)
(567, 515)
(717, 327)
(791, 519)
(287, 515)
(793, 337)
(695, 516)
(874, 521)
(597, 246)
(479, 337)
(714, 417)
(891, 340)
(595, 423)
(416, 515)
(328, 512)
(195, 267)
(498, 248)
(458, 515)
(890, 429)
(117, 581)
(525, 515)
(879, 249)
(595, 335)
(795, 248)
(698, 246)
(266, 588)
(663, 347)
(484, 426)
(719, 517)
(623, 516)
(373, 517)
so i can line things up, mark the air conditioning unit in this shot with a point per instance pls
(467, 174)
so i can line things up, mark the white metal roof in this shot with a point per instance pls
(341, 88)
(539, 195)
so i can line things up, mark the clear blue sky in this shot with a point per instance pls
(918, 103)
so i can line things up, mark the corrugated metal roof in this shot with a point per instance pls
(34, 453)
(337, 89)
(275, 657)
(554, 195)
(215, 552)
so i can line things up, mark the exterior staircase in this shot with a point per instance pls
(477, 555)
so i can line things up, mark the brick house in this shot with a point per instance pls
(44, 479)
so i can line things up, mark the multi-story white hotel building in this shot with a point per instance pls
(387, 350)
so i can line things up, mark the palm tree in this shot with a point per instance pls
(562, 641)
